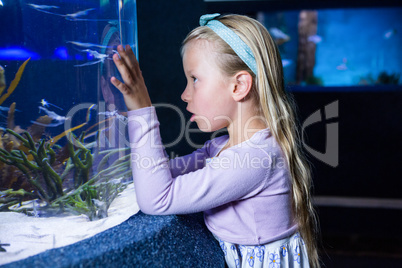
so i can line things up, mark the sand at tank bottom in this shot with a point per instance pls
(29, 236)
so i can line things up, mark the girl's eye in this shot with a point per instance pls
(194, 79)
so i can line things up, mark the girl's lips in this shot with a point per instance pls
(192, 118)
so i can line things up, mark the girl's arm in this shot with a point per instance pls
(188, 163)
(234, 175)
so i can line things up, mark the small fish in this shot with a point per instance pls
(88, 63)
(58, 118)
(53, 115)
(343, 66)
(278, 34)
(114, 114)
(315, 39)
(101, 57)
(388, 34)
(286, 62)
(42, 6)
(113, 22)
(87, 45)
(96, 54)
(72, 16)
(77, 14)
(6, 109)
(46, 104)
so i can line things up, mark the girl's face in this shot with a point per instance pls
(208, 91)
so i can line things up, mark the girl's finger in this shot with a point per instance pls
(127, 56)
(125, 72)
(132, 60)
(119, 85)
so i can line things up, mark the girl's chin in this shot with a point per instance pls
(205, 126)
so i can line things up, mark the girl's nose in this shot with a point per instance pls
(185, 95)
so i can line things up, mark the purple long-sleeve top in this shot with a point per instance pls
(244, 192)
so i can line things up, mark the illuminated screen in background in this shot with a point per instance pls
(338, 47)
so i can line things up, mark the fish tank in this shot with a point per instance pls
(340, 48)
(64, 148)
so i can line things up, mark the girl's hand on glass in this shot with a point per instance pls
(134, 91)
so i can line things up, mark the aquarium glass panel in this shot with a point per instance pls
(338, 47)
(64, 144)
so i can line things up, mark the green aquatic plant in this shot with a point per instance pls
(81, 159)
(314, 81)
(71, 189)
(64, 179)
(43, 157)
(10, 176)
(388, 79)
(10, 197)
(383, 79)
(94, 197)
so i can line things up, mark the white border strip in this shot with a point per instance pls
(357, 202)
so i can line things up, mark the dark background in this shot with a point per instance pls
(370, 130)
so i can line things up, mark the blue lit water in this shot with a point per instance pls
(354, 47)
(70, 43)
(67, 48)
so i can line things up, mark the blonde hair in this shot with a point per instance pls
(274, 105)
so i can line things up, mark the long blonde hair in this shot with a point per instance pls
(274, 105)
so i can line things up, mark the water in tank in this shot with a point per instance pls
(339, 47)
(63, 141)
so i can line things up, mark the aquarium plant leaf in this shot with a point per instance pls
(72, 189)
(18, 136)
(10, 117)
(15, 82)
(2, 79)
(58, 137)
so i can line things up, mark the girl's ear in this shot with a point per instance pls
(242, 86)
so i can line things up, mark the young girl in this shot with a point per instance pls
(253, 184)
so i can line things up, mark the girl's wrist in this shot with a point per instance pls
(137, 103)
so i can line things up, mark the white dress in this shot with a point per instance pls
(288, 252)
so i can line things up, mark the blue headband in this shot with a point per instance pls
(231, 38)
